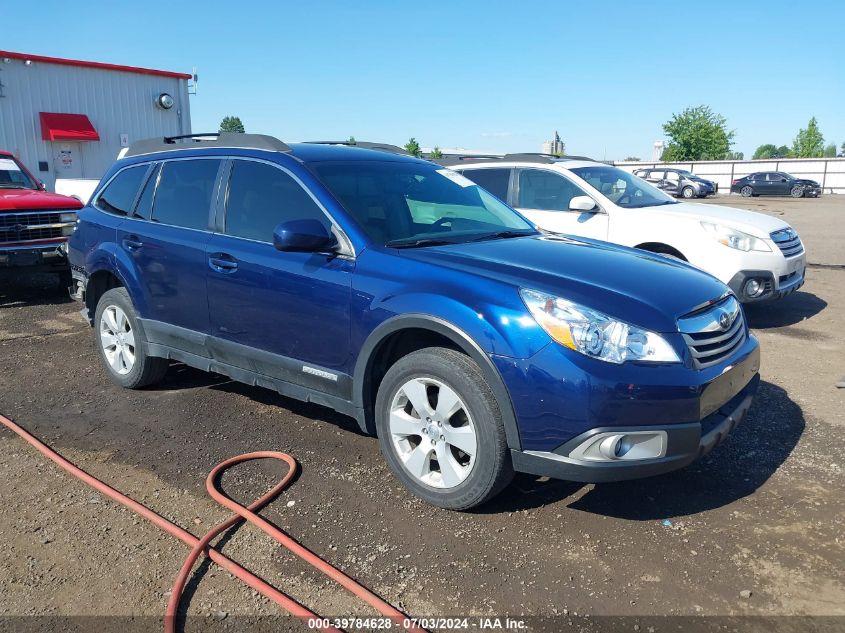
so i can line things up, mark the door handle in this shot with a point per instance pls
(132, 243)
(222, 263)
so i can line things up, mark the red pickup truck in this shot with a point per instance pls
(34, 224)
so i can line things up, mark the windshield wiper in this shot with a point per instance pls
(406, 243)
(500, 235)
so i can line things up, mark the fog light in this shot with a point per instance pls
(630, 446)
(754, 288)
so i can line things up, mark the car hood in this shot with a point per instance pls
(647, 290)
(756, 224)
(26, 199)
(806, 181)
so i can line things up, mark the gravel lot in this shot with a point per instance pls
(761, 514)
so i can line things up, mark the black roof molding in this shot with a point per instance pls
(210, 139)
(383, 147)
(526, 157)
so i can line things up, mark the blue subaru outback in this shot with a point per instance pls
(402, 294)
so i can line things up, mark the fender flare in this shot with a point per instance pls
(363, 366)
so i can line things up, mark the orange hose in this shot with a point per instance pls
(201, 546)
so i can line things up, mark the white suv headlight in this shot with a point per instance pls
(595, 334)
(735, 239)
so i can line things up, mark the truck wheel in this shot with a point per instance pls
(440, 429)
(65, 280)
(120, 340)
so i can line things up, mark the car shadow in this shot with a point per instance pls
(790, 310)
(743, 463)
(31, 289)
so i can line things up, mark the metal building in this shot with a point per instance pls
(67, 118)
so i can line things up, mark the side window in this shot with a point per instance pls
(493, 180)
(545, 190)
(774, 176)
(656, 175)
(672, 176)
(120, 193)
(185, 189)
(262, 196)
(144, 208)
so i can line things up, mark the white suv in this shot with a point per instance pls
(760, 257)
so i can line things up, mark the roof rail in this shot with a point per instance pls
(383, 147)
(209, 139)
(526, 157)
(457, 159)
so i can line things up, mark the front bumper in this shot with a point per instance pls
(36, 258)
(685, 444)
(776, 284)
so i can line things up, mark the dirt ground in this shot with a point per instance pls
(761, 514)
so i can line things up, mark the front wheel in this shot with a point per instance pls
(688, 192)
(121, 342)
(797, 191)
(440, 429)
(746, 191)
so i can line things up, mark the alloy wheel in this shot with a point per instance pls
(432, 433)
(746, 191)
(797, 191)
(117, 340)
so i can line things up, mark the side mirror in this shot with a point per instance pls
(583, 203)
(303, 236)
(41, 185)
(783, 179)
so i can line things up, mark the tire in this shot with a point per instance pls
(65, 280)
(472, 421)
(121, 343)
(746, 191)
(797, 191)
(688, 192)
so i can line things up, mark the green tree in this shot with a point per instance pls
(351, 140)
(232, 124)
(783, 152)
(830, 151)
(435, 153)
(769, 150)
(809, 143)
(413, 148)
(633, 159)
(735, 156)
(842, 148)
(697, 134)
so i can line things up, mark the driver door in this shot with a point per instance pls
(543, 197)
(672, 184)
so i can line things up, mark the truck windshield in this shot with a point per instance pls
(409, 204)
(621, 188)
(12, 176)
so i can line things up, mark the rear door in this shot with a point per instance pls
(165, 239)
(281, 314)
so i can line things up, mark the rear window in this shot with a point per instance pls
(120, 193)
(184, 193)
(493, 180)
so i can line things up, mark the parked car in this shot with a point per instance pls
(34, 224)
(679, 183)
(775, 183)
(402, 294)
(758, 256)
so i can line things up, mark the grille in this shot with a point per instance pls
(32, 226)
(713, 333)
(788, 242)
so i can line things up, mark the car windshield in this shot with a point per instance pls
(622, 188)
(410, 204)
(12, 176)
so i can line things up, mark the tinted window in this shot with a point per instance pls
(546, 190)
(120, 193)
(493, 180)
(262, 196)
(145, 203)
(775, 176)
(185, 189)
(400, 203)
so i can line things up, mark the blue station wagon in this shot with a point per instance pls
(402, 294)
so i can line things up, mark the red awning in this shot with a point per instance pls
(66, 127)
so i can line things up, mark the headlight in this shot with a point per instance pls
(595, 334)
(735, 239)
(67, 217)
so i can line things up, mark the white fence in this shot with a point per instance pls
(829, 172)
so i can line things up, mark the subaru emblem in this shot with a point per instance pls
(724, 320)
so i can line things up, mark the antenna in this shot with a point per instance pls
(193, 83)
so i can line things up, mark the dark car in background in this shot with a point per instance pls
(775, 183)
(678, 182)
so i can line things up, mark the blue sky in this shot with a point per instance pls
(489, 75)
